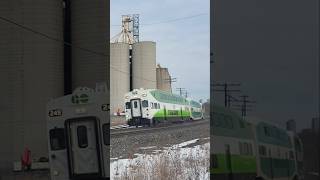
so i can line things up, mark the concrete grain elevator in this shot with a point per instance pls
(35, 66)
(141, 58)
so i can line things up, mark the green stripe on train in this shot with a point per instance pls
(171, 113)
(239, 164)
(280, 167)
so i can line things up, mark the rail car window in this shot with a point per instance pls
(128, 105)
(291, 156)
(266, 131)
(135, 104)
(106, 133)
(241, 123)
(158, 105)
(151, 105)
(262, 150)
(229, 123)
(250, 149)
(144, 103)
(57, 139)
(82, 136)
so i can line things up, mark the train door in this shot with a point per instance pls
(228, 162)
(83, 147)
(136, 108)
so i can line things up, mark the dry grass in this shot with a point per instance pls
(172, 164)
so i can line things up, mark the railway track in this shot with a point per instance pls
(126, 130)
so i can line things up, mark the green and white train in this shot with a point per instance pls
(152, 106)
(78, 129)
(245, 149)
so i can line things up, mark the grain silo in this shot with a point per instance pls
(119, 75)
(31, 72)
(90, 31)
(144, 65)
(164, 79)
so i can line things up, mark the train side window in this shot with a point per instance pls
(82, 136)
(158, 105)
(106, 134)
(241, 123)
(57, 139)
(240, 148)
(262, 150)
(250, 149)
(291, 155)
(144, 103)
(128, 105)
(266, 131)
(151, 105)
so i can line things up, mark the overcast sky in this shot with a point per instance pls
(182, 46)
(272, 48)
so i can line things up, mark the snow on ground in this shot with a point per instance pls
(174, 162)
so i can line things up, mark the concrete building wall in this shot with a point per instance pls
(144, 65)
(163, 79)
(89, 29)
(31, 72)
(119, 75)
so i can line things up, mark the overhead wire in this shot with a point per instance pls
(89, 50)
(169, 21)
(68, 44)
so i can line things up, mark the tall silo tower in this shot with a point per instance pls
(144, 65)
(119, 75)
(90, 31)
(164, 79)
(31, 72)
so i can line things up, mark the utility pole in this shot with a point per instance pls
(186, 94)
(180, 90)
(245, 105)
(170, 81)
(226, 90)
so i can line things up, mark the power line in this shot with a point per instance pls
(170, 20)
(226, 91)
(180, 90)
(177, 19)
(68, 44)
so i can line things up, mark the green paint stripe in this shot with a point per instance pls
(160, 114)
(239, 164)
(280, 167)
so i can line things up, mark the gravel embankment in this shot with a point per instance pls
(127, 145)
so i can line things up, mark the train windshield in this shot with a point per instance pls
(144, 103)
(128, 105)
(57, 139)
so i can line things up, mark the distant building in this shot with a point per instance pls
(163, 79)
(310, 143)
(311, 146)
(291, 125)
(315, 124)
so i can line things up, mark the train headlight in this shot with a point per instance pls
(55, 173)
(81, 110)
